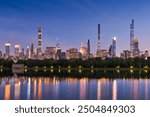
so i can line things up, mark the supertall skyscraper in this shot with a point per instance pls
(39, 39)
(88, 48)
(114, 47)
(132, 37)
(98, 49)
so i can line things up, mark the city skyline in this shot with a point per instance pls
(62, 18)
(101, 52)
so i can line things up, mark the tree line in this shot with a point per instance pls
(75, 63)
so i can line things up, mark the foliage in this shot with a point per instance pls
(75, 63)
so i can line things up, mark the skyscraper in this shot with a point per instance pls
(114, 47)
(98, 49)
(17, 50)
(1, 54)
(132, 37)
(84, 52)
(39, 39)
(7, 50)
(136, 51)
(88, 48)
(28, 53)
(32, 51)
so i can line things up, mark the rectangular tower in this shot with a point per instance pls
(132, 37)
(98, 48)
(7, 50)
(88, 48)
(114, 47)
(98, 37)
(39, 39)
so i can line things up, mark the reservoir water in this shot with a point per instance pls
(66, 87)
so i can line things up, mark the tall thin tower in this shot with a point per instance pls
(98, 49)
(114, 47)
(132, 37)
(40, 39)
(88, 48)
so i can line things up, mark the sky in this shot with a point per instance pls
(73, 22)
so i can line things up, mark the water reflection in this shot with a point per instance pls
(83, 88)
(42, 88)
(99, 89)
(114, 97)
(7, 91)
(17, 90)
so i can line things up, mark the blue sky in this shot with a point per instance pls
(74, 21)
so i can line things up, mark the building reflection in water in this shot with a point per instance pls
(17, 90)
(99, 89)
(7, 91)
(146, 89)
(40, 88)
(114, 88)
(34, 88)
(104, 88)
(28, 88)
(56, 83)
(136, 87)
(73, 88)
(83, 88)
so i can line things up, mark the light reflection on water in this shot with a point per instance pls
(46, 88)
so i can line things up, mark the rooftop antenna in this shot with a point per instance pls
(57, 43)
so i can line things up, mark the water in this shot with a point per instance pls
(69, 88)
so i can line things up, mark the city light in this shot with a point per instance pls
(83, 53)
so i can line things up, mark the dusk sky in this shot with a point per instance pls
(74, 21)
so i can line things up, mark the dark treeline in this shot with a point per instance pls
(75, 63)
(76, 74)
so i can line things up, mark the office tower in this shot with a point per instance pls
(114, 47)
(63, 55)
(7, 50)
(88, 48)
(110, 50)
(132, 37)
(32, 51)
(1, 54)
(103, 54)
(126, 54)
(98, 49)
(136, 51)
(72, 53)
(50, 53)
(28, 53)
(39, 39)
(17, 50)
(22, 55)
(58, 51)
(84, 52)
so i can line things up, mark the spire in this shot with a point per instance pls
(57, 43)
(82, 44)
